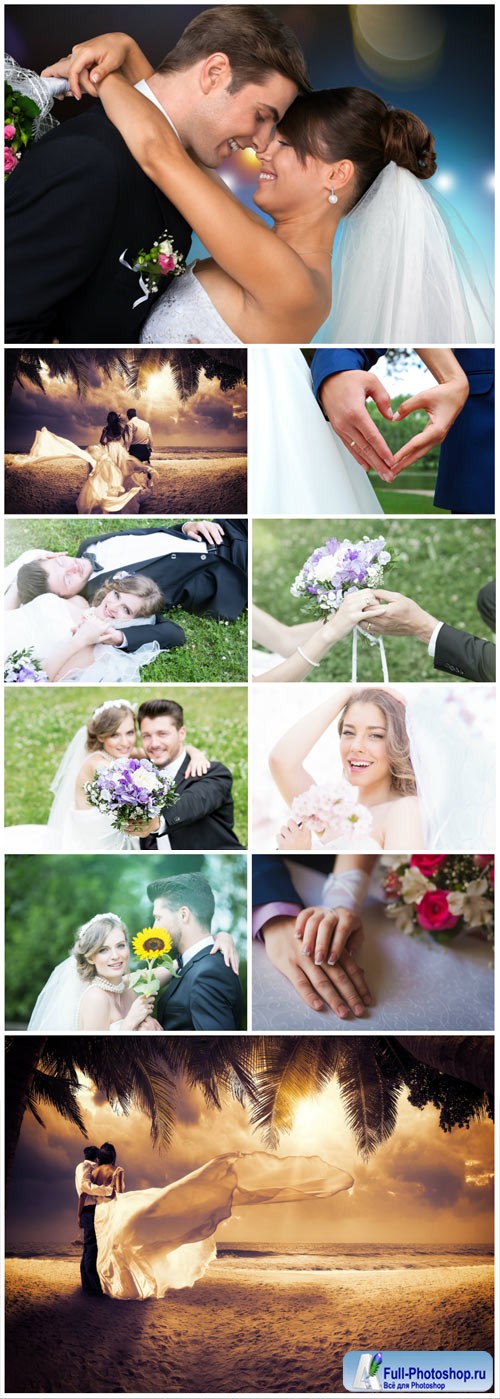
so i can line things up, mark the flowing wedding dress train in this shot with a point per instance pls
(149, 1241)
(298, 465)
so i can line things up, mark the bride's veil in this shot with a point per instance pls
(57, 1005)
(406, 270)
(453, 758)
(63, 785)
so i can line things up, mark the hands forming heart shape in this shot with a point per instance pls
(344, 397)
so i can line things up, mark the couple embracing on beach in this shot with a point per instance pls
(142, 1243)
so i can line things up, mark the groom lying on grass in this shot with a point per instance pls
(199, 566)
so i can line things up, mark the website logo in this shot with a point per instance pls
(366, 1378)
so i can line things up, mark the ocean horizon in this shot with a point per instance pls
(320, 1257)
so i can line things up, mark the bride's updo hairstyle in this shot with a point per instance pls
(90, 939)
(351, 123)
(105, 722)
(151, 597)
(397, 742)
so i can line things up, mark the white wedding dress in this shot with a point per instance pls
(57, 1008)
(48, 621)
(151, 1241)
(297, 465)
(103, 490)
(185, 315)
(70, 830)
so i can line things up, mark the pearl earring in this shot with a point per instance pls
(333, 197)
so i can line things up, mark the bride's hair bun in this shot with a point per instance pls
(408, 142)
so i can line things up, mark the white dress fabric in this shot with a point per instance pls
(103, 490)
(298, 467)
(407, 271)
(48, 621)
(78, 830)
(151, 1241)
(57, 1007)
(185, 315)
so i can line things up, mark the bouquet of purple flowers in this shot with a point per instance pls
(131, 791)
(22, 668)
(338, 567)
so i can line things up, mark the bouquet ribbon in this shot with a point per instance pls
(373, 642)
(147, 290)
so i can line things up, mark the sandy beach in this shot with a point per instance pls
(204, 484)
(247, 1326)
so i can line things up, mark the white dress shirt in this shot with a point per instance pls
(138, 430)
(125, 550)
(144, 87)
(170, 770)
(196, 947)
(83, 1182)
(432, 643)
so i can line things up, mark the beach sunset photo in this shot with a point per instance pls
(266, 1205)
(110, 432)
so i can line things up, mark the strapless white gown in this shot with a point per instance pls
(185, 315)
(150, 1241)
(297, 465)
(48, 621)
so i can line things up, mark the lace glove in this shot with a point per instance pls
(346, 890)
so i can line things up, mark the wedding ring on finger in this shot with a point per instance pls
(352, 444)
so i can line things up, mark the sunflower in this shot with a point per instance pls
(152, 942)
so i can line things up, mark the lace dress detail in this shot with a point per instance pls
(185, 315)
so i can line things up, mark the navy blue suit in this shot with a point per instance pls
(466, 476)
(271, 882)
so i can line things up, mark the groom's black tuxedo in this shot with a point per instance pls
(272, 882)
(206, 995)
(77, 200)
(203, 816)
(459, 653)
(212, 583)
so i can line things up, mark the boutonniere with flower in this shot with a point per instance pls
(161, 261)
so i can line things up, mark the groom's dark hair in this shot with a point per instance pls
(31, 581)
(107, 1154)
(131, 412)
(189, 890)
(161, 709)
(91, 1153)
(255, 40)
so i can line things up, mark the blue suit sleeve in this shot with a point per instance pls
(328, 362)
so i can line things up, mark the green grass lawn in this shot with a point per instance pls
(441, 564)
(40, 723)
(214, 650)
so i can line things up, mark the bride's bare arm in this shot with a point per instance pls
(287, 757)
(315, 638)
(78, 648)
(259, 262)
(91, 61)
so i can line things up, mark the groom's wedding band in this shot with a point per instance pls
(352, 444)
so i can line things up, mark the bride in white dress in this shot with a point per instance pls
(90, 990)
(109, 463)
(422, 768)
(73, 640)
(150, 1241)
(338, 157)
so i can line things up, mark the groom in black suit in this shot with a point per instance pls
(202, 817)
(206, 995)
(206, 574)
(78, 207)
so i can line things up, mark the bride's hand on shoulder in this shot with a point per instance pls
(91, 61)
(294, 837)
(198, 762)
(225, 943)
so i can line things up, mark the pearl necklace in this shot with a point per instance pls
(117, 987)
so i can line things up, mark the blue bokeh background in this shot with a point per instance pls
(436, 60)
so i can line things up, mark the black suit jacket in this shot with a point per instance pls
(202, 818)
(271, 882)
(207, 995)
(459, 653)
(77, 201)
(212, 583)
